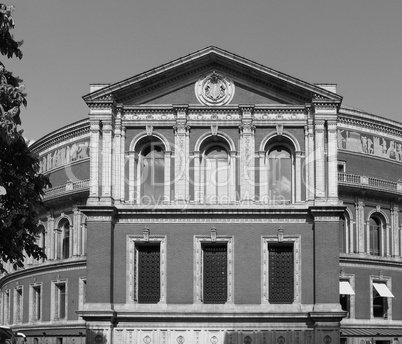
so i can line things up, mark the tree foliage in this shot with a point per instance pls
(21, 184)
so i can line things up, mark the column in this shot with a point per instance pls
(50, 238)
(351, 236)
(118, 163)
(247, 152)
(367, 227)
(360, 226)
(107, 134)
(310, 185)
(263, 170)
(181, 155)
(94, 161)
(232, 176)
(132, 176)
(167, 178)
(395, 230)
(123, 165)
(76, 231)
(198, 194)
(320, 184)
(386, 236)
(332, 163)
(297, 179)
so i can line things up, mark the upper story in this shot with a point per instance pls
(215, 128)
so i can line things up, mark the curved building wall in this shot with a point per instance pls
(300, 242)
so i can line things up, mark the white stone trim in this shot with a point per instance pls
(388, 281)
(270, 239)
(33, 316)
(198, 264)
(132, 268)
(352, 298)
(55, 299)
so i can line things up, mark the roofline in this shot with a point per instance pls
(204, 52)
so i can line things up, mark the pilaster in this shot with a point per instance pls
(50, 238)
(319, 154)
(360, 226)
(395, 230)
(107, 133)
(332, 153)
(95, 161)
(118, 158)
(181, 155)
(310, 162)
(247, 158)
(76, 232)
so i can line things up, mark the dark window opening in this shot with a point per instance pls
(281, 273)
(148, 273)
(215, 273)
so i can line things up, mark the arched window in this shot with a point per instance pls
(215, 173)
(375, 235)
(150, 171)
(62, 240)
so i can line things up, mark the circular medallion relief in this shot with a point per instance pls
(215, 89)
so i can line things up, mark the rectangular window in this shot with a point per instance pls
(148, 276)
(7, 308)
(36, 302)
(18, 303)
(281, 273)
(215, 273)
(60, 301)
(381, 293)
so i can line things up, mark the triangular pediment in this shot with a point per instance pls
(176, 83)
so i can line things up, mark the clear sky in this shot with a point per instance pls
(356, 44)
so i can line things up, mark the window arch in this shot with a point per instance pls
(375, 231)
(215, 165)
(150, 171)
(277, 173)
(62, 239)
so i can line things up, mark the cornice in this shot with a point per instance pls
(358, 118)
(77, 129)
(49, 266)
(372, 262)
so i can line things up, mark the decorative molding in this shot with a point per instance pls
(265, 241)
(198, 265)
(215, 89)
(210, 220)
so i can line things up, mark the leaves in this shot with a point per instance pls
(22, 204)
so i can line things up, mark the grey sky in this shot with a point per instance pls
(70, 44)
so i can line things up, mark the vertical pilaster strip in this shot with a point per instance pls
(167, 177)
(94, 161)
(197, 178)
(297, 179)
(131, 176)
(360, 227)
(76, 231)
(51, 237)
(387, 235)
(263, 170)
(123, 165)
(247, 149)
(107, 162)
(320, 183)
(306, 164)
(116, 158)
(310, 161)
(181, 155)
(395, 230)
(332, 162)
(232, 177)
(352, 229)
(367, 227)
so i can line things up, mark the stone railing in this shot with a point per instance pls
(369, 182)
(68, 188)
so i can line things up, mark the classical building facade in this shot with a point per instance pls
(216, 200)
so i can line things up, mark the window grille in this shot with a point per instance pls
(149, 290)
(215, 273)
(281, 274)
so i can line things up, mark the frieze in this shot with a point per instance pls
(208, 220)
(326, 218)
(280, 116)
(369, 144)
(99, 218)
(63, 156)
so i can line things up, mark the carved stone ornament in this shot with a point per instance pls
(215, 89)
